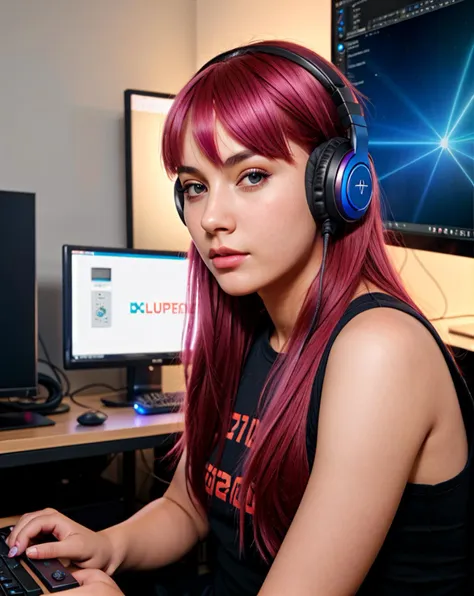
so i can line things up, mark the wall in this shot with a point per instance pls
(223, 25)
(64, 66)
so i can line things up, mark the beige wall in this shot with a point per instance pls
(222, 25)
(225, 24)
(64, 66)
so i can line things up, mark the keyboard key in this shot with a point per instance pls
(23, 578)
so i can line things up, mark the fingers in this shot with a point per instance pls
(86, 577)
(54, 524)
(24, 519)
(70, 548)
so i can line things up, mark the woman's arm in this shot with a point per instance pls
(160, 533)
(376, 412)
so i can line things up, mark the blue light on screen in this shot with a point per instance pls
(418, 76)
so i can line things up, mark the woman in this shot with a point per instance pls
(326, 446)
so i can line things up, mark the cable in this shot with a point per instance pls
(59, 371)
(32, 404)
(327, 231)
(404, 262)
(149, 470)
(60, 375)
(51, 365)
(435, 281)
(72, 394)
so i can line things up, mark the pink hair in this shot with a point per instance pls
(263, 101)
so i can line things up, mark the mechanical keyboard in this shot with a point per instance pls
(14, 578)
(158, 403)
(16, 581)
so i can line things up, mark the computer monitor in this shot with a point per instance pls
(18, 311)
(123, 307)
(18, 295)
(152, 219)
(414, 62)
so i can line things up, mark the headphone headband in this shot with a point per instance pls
(348, 108)
(338, 177)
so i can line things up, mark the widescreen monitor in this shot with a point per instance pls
(414, 63)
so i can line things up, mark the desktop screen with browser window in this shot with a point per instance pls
(122, 306)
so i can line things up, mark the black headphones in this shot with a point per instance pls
(338, 178)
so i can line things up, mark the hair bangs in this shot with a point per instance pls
(241, 96)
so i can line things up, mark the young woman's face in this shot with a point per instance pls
(249, 219)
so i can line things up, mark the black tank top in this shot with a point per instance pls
(426, 549)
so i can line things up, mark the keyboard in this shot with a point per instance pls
(158, 403)
(16, 581)
(14, 578)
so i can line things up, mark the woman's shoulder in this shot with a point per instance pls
(389, 331)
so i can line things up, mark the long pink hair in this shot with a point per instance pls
(263, 101)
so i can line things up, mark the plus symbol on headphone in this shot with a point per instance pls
(362, 186)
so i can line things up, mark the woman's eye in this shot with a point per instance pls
(255, 178)
(194, 190)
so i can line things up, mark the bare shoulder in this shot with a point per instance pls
(387, 351)
(383, 334)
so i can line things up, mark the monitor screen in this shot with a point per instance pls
(414, 62)
(152, 220)
(123, 306)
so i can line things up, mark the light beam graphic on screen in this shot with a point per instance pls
(463, 113)
(405, 143)
(458, 91)
(421, 202)
(464, 154)
(462, 167)
(444, 144)
(409, 103)
(465, 139)
(410, 163)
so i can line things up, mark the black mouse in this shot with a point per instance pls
(91, 418)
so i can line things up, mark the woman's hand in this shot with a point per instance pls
(94, 583)
(75, 542)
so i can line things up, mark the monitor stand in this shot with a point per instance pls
(140, 380)
(19, 420)
(143, 379)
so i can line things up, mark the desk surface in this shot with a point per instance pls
(454, 339)
(122, 425)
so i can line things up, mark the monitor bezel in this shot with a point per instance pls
(114, 360)
(409, 239)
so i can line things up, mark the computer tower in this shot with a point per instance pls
(18, 295)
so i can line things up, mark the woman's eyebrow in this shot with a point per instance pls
(231, 161)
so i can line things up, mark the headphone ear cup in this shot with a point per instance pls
(322, 203)
(179, 200)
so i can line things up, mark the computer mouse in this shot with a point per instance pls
(91, 418)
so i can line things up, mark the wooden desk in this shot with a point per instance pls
(453, 339)
(123, 432)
